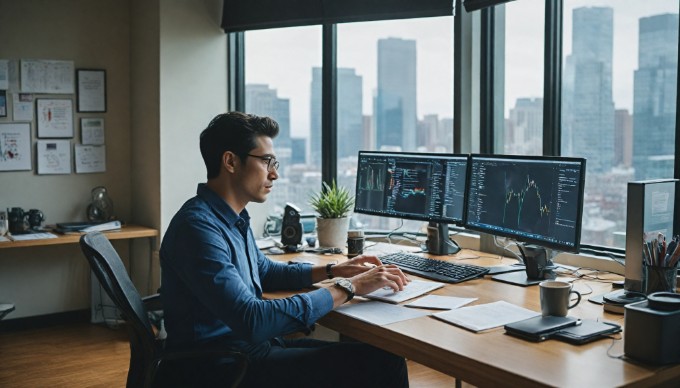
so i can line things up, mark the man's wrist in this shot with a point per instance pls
(329, 270)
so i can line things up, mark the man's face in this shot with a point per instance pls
(257, 174)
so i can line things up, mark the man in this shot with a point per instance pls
(213, 277)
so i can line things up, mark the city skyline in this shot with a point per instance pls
(271, 51)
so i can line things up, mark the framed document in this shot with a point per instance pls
(54, 156)
(55, 118)
(91, 90)
(15, 146)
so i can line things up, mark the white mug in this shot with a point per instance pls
(555, 298)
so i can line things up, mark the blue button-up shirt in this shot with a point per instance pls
(213, 277)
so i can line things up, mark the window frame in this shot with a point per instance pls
(468, 82)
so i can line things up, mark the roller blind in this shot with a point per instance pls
(244, 15)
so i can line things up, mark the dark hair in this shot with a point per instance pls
(235, 132)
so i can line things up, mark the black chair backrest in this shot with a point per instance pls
(109, 269)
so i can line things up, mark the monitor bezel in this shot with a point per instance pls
(405, 216)
(516, 236)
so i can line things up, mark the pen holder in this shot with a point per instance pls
(655, 279)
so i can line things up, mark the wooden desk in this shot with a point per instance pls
(494, 358)
(127, 232)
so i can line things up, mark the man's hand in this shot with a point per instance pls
(355, 266)
(379, 277)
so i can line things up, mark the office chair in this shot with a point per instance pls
(150, 364)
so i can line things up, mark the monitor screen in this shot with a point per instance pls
(417, 186)
(529, 198)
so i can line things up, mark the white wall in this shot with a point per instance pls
(166, 78)
(93, 35)
(193, 78)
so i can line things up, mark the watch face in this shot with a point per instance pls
(346, 284)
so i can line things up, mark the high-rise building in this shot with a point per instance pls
(525, 127)
(262, 100)
(349, 113)
(395, 100)
(589, 109)
(655, 97)
(623, 138)
(298, 147)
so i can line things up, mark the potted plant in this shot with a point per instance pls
(332, 205)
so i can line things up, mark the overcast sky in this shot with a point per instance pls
(283, 58)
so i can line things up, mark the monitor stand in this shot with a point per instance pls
(438, 241)
(538, 267)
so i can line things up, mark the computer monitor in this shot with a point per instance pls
(417, 186)
(532, 199)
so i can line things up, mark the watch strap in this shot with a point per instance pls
(329, 270)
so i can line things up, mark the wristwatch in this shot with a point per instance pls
(347, 286)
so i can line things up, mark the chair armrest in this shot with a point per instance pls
(153, 302)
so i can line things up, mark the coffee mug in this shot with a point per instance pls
(355, 242)
(555, 298)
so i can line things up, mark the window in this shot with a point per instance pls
(523, 78)
(279, 73)
(618, 102)
(395, 92)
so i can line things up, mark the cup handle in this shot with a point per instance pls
(578, 299)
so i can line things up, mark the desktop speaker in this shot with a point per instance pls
(291, 228)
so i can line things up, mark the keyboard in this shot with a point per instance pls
(443, 271)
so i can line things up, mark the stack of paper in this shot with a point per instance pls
(486, 316)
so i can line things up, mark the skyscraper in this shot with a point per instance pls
(349, 113)
(395, 101)
(525, 127)
(264, 101)
(589, 106)
(655, 97)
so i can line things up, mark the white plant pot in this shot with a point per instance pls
(332, 232)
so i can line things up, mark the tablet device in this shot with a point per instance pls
(539, 328)
(587, 331)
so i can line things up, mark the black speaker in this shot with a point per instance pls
(291, 227)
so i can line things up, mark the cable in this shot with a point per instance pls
(389, 235)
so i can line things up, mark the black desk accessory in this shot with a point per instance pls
(652, 332)
(587, 331)
(615, 301)
(539, 328)
(538, 267)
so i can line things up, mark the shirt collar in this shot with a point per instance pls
(219, 205)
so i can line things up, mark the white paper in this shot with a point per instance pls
(412, 290)
(92, 131)
(55, 118)
(90, 159)
(47, 76)
(486, 316)
(32, 236)
(4, 74)
(379, 313)
(15, 147)
(440, 302)
(22, 106)
(54, 156)
(91, 91)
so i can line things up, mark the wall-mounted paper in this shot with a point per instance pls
(4, 74)
(22, 106)
(15, 147)
(46, 76)
(55, 118)
(90, 158)
(54, 156)
(92, 131)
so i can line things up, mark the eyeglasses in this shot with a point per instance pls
(272, 163)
